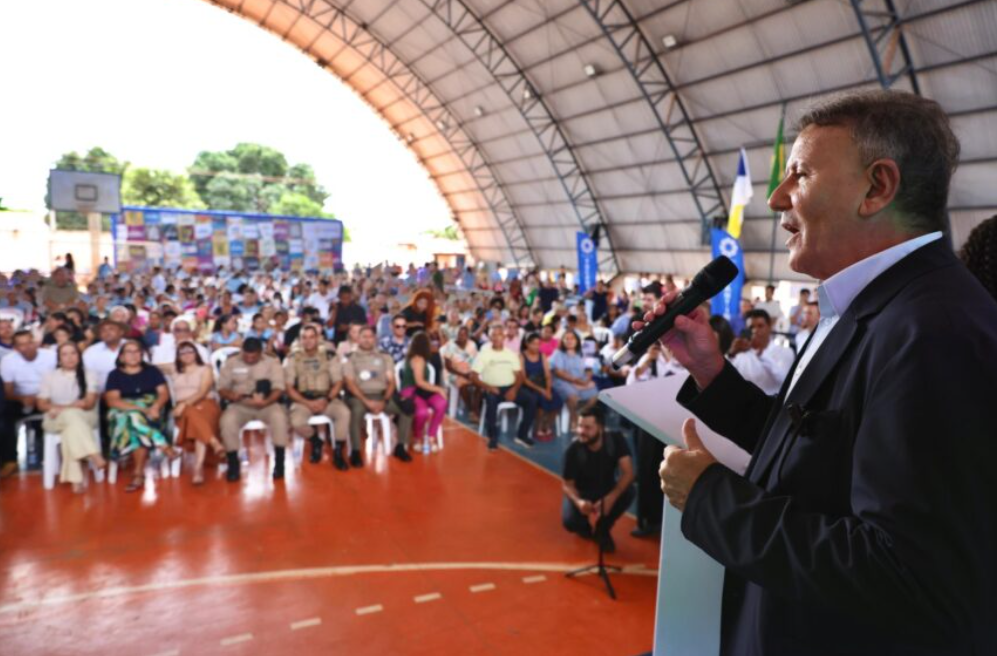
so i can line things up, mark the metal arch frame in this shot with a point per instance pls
(492, 54)
(630, 43)
(357, 36)
(882, 61)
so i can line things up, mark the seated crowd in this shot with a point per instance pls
(133, 365)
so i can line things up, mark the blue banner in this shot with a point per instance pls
(727, 303)
(588, 262)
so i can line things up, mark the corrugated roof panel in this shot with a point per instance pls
(978, 135)
(973, 185)
(963, 87)
(957, 34)
(552, 215)
(610, 122)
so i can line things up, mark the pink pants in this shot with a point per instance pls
(437, 403)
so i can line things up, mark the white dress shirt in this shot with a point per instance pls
(769, 370)
(801, 337)
(101, 360)
(837, 292)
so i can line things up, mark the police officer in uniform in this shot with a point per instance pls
(252, 383)
(314, 381)
(370, 379)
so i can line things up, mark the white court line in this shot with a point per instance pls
(367, 610)
(304, 624)
(432, 596)
(234, 640)
(534, 579)
(483, 587)
(300, 574)
(172, 652)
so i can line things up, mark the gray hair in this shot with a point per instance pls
(912, 131)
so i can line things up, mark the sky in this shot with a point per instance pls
(156, 81)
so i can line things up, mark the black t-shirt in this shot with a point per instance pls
(291, 334)
(411, 314)
(134, 386)
(594, 473)
(600, 304)
(547, 297)
(346, 315)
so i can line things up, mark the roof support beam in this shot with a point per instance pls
(493, 55)
(887, 45)
(634, 49)
(357, 36)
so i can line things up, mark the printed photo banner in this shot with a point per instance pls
(146, 237)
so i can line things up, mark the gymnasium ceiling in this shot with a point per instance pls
(537, 118)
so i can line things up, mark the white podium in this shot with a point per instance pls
(690, 583)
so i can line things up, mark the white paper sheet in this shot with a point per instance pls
(690, 583)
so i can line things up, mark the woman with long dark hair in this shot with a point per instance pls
(420, 313)
(136, 394)
(196, 414)
(428, 397)
(68, 397)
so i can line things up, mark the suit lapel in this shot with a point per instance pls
(834, 349)
(823, 364)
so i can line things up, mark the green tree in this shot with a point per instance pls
(450, 232)
(96, 160)
(256, 178)
(159, 188)
(294, 204)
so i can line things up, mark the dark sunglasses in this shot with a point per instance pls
(400, 325)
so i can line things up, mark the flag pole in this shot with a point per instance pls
(775, 216)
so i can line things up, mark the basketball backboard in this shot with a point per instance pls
(84, 192)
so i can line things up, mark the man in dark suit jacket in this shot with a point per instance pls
(865, 522)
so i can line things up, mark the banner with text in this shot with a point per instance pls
(728, 302)
(588, 262)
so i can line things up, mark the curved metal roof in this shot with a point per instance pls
(536, 118)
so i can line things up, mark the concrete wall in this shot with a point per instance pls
(26, 242)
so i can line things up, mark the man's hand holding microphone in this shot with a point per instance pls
(697, 348)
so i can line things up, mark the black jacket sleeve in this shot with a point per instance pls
(731, 406)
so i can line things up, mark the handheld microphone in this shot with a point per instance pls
(706, 284)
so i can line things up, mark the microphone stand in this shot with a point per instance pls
(600, 567)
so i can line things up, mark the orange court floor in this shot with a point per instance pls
(459, 552)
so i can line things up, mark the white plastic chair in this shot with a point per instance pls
(52, 460)
(602, 334)
(219, 357)
(564, 419)
(15, 316)
(431, 379)
(384, 421)
(501, 413)
(453, 400)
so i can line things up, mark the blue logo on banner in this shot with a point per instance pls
(588, 262)
(728, 302)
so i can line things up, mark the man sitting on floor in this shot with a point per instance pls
(598, 480)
